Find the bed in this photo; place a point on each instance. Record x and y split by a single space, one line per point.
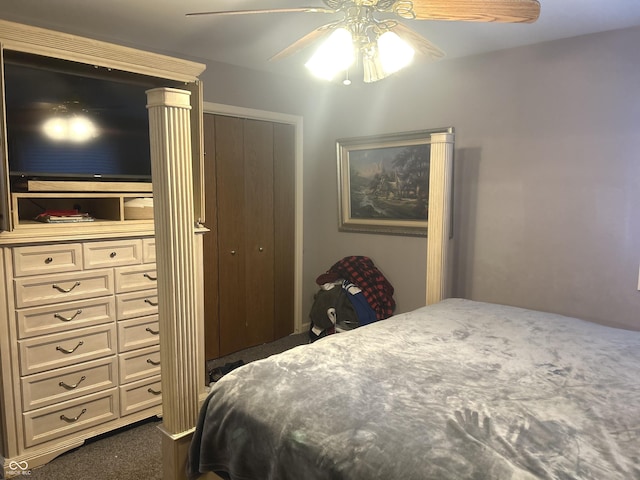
456 390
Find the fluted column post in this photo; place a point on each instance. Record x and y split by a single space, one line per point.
182 367
439 217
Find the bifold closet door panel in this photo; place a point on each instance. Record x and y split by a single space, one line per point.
232 252
259 227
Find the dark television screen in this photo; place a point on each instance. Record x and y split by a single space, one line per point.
110 143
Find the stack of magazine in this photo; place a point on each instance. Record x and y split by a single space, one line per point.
63 216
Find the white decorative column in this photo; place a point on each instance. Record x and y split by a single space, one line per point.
439 217
176 256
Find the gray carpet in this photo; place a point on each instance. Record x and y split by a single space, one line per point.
134 452
127 453
261 351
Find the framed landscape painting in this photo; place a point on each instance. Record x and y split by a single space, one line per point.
383 182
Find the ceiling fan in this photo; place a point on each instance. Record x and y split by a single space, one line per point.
366 22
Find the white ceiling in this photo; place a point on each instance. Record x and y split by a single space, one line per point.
250 40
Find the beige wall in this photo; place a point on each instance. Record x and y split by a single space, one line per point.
547 170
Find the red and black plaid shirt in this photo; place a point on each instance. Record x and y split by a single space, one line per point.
361 271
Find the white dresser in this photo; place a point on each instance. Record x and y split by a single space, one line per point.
79 335
83 341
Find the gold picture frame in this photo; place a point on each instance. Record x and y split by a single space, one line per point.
383 182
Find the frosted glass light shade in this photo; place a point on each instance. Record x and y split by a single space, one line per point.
394 52
334 55
373 69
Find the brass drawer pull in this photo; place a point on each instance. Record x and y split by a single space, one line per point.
74 419
65 290
150 302
48 260
71 387
153 362
154 392
151 331
153 279
63 350
65 319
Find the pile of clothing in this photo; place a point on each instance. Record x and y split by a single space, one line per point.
353 292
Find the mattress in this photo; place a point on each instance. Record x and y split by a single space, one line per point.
456 390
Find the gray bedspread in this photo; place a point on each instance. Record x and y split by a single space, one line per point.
456 390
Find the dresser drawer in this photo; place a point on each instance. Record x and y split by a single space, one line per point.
72 417
139 277
65 316
149 250
140 395
61 349
113 253
62 287
138 333
43 259
136 304
61 384
139 364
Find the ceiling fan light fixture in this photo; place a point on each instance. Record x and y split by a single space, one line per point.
386 45
394 53
372 68
334 55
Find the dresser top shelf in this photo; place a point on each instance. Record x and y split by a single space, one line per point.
69 186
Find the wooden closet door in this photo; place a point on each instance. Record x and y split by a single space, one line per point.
259 228
232 252
250 249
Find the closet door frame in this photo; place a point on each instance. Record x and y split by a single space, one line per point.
296 122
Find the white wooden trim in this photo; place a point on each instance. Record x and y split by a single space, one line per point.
439 224
182 360
296 121
179 286
40 41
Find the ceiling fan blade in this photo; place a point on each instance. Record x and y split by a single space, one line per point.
417 41
271 10
514 11
303 42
